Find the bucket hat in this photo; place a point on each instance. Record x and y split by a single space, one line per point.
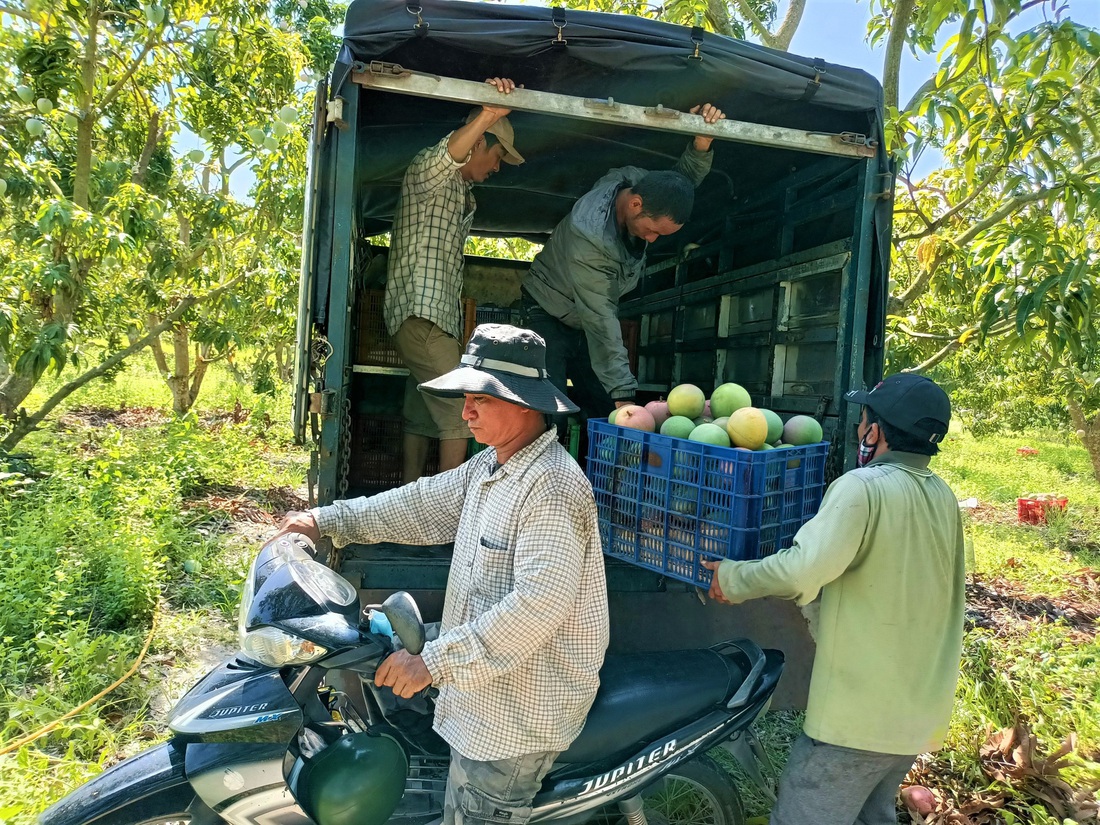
502 131
505 362
912 403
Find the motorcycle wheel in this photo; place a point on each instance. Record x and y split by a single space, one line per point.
697 792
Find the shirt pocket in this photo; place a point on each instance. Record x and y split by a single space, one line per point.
493 571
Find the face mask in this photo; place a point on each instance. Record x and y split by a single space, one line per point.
866 453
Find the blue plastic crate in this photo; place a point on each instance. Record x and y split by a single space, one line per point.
668 504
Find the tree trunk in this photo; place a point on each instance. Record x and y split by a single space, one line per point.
895 44
14 389
86 100
26 424
152 138
787 28
284 364
1088 430
201 364
718 14
178 380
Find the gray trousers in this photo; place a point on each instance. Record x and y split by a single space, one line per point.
494 793
827 784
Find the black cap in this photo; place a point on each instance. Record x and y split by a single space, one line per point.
912 403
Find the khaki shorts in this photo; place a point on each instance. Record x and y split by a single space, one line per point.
428 352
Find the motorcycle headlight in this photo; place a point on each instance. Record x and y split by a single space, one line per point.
276 648
322 583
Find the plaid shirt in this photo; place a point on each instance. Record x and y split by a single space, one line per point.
525 618
433 218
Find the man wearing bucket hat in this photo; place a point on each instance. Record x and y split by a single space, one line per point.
422 308
525 620
885 552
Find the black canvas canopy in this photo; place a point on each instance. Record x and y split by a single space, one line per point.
632 59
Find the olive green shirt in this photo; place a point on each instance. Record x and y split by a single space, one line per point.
885 551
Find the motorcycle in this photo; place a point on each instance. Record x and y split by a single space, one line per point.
293 731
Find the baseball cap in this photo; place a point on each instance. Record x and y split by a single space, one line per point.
912 403
503 132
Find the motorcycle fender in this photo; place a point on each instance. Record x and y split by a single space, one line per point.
244 783
136 790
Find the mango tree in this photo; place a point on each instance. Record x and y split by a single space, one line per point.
998 248
106 235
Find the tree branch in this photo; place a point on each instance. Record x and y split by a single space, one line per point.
233 167
154 345
895 43
29 423
201 365
17 13
928 336
747 11
112 92
1012 206
934 226
787 28
942 354
956 343
916 206
920 285
152 138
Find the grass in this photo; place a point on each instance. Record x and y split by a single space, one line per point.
122 514
1040 557
99 530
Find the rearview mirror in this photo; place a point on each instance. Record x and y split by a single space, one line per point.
400 608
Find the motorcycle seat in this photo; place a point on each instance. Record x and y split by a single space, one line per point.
643 696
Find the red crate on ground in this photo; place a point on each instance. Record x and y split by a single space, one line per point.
1033 509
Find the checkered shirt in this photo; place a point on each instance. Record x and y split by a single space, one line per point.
525 618
433 218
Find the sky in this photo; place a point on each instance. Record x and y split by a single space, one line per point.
836 31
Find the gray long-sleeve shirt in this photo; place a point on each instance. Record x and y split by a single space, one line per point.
587 265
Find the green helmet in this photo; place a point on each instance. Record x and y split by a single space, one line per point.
357 780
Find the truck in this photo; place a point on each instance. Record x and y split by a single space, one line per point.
778 282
